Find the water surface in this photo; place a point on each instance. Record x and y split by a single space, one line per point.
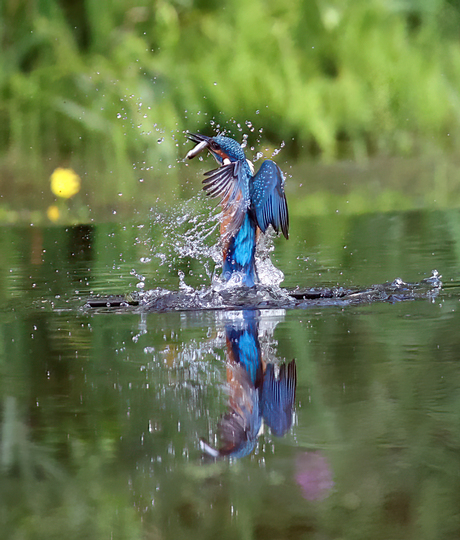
102 412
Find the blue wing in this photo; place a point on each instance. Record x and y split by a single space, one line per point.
268 199
227 183
278 395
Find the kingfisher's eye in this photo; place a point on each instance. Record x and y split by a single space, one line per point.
214 146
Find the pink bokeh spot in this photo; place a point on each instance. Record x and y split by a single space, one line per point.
314 476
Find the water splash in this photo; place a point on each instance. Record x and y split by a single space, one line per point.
186 239
268 274
220 296
187 232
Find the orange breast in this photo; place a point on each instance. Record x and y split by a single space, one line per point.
227 218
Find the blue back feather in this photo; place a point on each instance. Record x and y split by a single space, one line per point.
240 253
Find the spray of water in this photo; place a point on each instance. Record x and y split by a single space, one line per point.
189 232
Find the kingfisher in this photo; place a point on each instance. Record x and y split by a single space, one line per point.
250 202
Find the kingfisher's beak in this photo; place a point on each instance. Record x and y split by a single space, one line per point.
202 142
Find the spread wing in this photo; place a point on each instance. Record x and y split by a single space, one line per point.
268 199
227 183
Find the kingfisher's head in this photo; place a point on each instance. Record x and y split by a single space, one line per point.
224 149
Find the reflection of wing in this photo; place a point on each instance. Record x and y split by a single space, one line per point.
278 396
268 198
226 183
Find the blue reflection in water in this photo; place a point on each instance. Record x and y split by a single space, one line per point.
257 390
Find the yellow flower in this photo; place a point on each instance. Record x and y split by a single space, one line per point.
53 213
65 183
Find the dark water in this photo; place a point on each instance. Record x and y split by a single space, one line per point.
102 412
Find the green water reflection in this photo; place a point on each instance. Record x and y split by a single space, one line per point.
101 414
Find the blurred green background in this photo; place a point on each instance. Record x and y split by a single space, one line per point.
108 88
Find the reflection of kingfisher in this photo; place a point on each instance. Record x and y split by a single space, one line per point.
250 203
254 390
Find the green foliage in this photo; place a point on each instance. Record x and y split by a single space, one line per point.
355 77
108 88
